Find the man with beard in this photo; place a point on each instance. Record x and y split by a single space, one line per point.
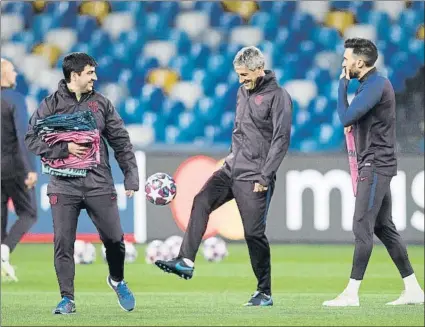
372 115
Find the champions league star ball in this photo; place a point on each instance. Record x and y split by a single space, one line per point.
130 252
160 189
214 249
157 250
84 252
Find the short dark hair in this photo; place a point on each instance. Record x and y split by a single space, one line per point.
76 62
363 47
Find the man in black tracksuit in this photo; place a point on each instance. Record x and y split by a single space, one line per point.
260 141
18 173
372 115
95 192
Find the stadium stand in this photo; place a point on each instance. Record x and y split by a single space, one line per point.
168 65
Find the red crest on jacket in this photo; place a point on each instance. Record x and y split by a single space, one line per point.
93 106
258 100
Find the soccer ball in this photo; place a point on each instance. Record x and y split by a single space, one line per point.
214 249
157 250
160 189
174 243
130 252
84 252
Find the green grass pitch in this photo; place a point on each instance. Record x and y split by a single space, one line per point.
303 276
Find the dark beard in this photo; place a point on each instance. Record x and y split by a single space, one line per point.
353 75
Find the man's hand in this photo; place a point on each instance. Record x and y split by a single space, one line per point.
31 180
77 150
348 129
260 188
344 73
129 193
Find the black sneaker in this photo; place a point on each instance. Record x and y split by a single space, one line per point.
259 299
176 266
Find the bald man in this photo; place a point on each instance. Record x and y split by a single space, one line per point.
18 176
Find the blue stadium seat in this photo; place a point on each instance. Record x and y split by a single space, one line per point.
381 20
219 66
131 111
190 126
21 7
42 23
133 39
340 5
155 120
229 20
212 134
154 26
64 12
37 92
169 10
183 65
100 43
207 81
416 48
124 53
199 54
85 25
172 135
320 76
267 22
398 36
181 40
214 10
135 7
327 37
328 137
284 10
302 25
108 69
361 8
171 109
388 49
321 109
206 110
25 37
153 97
410 19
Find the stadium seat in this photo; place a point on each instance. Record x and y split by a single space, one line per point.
397 35
13 51
85 26
327 37
229 20
32 103
162 50
183 66
213 38
302 25
164 78
181 40
26 37
420 33
340 5
246 35
284 10
245 9
213 9
133 39
100 43
319 76
379 19
190 126
339 20
153 97
410 19
37 92
392 8
206 110
186 92
317 9
219 66
32 65
193 23
131 111
153 26
267 22
141 135
116 23
97 9
124 54
114 92
108 69
199 54
65 12
366 31
11 24
48 79
63 38
23 8
154 120
205 80
321 109
303 91
171 109
416 48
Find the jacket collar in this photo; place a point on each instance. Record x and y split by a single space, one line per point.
265 83
367 75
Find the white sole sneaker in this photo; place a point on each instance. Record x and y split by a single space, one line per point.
342 300
8 270
413 298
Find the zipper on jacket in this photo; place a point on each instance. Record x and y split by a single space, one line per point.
243 138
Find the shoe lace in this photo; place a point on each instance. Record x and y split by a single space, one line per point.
123 290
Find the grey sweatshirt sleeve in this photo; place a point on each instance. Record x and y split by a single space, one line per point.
119 140
282 121
36 145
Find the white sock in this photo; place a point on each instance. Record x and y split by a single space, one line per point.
5 252
411 283
114 282
353 287
189 262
